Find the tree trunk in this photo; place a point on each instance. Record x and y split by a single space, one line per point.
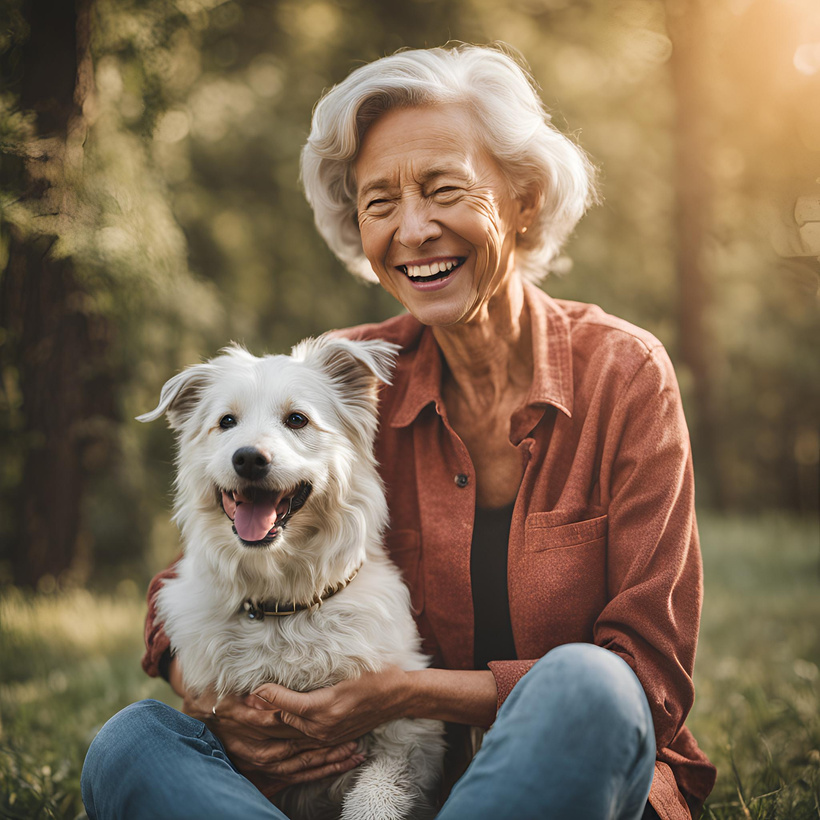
55 342
693 188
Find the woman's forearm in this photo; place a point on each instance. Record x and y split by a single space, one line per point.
458 696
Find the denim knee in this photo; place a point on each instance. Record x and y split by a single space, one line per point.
137 723
127 738
574 739
592 682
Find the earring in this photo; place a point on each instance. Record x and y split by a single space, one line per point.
523 230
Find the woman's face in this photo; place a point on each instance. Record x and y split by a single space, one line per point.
437 220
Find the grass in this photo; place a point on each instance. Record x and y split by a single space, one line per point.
71 659
757 713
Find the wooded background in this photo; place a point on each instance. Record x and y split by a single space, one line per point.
150 211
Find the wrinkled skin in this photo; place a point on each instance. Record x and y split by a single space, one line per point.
429 190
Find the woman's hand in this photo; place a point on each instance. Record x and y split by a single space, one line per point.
350 709
269 753
337 714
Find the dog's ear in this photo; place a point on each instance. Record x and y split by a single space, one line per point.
357 367
180 395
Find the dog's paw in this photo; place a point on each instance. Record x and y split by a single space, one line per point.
383 791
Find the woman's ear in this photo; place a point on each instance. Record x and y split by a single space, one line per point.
529 204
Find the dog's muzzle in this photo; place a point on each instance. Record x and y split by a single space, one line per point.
260 515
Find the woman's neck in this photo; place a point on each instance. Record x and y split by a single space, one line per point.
490 354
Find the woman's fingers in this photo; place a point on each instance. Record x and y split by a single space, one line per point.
338 713
327 770
279 755
264 752
277 764
262 723
272 784
316 759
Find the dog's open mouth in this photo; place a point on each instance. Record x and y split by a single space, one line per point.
260 515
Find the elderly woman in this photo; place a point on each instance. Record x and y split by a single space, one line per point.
538 474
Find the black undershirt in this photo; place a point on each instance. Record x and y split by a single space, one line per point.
488 575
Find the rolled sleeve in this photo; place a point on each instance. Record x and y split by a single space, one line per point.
157 643
507 674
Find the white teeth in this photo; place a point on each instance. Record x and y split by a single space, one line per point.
435 267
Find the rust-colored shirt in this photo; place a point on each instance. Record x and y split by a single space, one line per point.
603 545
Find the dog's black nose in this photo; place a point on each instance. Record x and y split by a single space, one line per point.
251 463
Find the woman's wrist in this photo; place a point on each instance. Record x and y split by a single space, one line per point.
453 695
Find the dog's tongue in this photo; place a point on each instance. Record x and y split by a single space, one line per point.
255 519
255 514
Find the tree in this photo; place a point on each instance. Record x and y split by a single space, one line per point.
689 62
54 341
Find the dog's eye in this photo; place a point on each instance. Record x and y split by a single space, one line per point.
226 422
296 420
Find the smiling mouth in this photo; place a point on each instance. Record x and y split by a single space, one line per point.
433 271
260 515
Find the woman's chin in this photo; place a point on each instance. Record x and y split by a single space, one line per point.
440 303
458 304
441 311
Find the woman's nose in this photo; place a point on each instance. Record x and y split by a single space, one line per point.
416 224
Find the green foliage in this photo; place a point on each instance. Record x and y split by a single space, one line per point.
191 230
222 92
70 660
757 712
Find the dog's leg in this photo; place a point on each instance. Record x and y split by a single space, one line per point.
384 790
399 781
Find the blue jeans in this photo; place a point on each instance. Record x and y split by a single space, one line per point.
573 740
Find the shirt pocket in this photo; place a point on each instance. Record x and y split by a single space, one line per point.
565 568
404 549
546 531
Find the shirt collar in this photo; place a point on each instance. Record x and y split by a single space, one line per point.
552 363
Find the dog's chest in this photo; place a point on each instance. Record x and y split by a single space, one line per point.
307 650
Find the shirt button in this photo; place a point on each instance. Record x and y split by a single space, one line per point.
461 480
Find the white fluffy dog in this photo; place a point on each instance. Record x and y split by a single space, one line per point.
281 508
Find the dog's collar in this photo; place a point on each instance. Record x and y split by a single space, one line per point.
257 610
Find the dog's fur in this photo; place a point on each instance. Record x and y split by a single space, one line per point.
365 626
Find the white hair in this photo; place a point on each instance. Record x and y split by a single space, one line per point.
514 125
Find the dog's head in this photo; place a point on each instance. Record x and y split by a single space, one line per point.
263 441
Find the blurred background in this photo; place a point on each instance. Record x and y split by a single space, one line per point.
150 211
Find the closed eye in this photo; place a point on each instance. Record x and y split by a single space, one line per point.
446 193
378 205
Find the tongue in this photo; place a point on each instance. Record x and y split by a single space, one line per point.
255 519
